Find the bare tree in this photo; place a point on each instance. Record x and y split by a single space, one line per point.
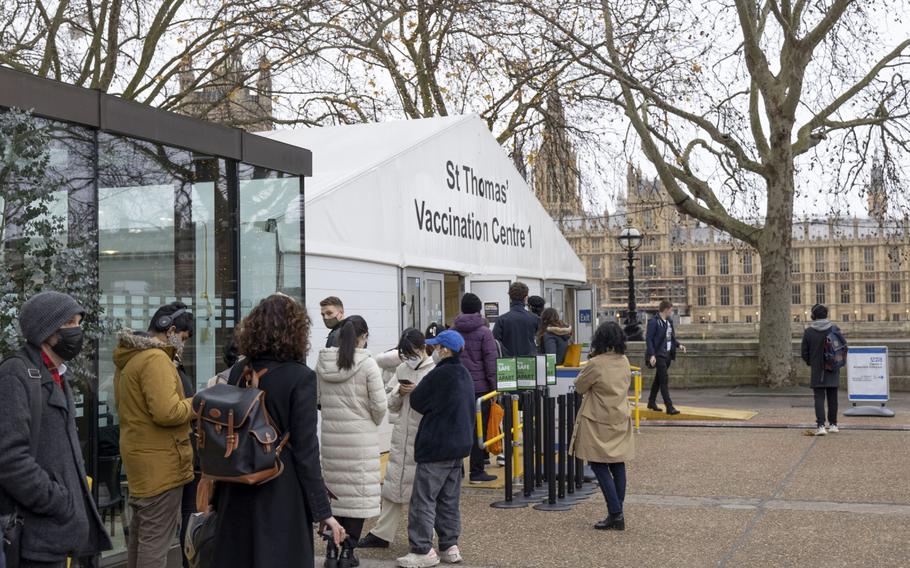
745 104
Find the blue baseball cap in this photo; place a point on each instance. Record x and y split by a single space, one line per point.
449 339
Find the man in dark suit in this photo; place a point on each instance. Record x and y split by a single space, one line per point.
660 352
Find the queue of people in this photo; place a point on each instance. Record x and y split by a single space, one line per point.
432 380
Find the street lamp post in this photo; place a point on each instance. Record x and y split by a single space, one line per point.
630 239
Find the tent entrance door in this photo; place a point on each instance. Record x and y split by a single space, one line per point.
424 301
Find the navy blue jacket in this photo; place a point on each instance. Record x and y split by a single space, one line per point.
656 339
516 330
445 397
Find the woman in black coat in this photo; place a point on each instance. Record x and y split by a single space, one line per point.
271 525
553 335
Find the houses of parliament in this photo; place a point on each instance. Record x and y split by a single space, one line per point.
859 268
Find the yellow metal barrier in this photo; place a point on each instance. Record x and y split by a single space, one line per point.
636 398
516 430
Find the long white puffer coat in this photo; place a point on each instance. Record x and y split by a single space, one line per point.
353 403
399 476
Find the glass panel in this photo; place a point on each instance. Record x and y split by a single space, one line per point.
412 303
164 235
559 301
270 237
434 302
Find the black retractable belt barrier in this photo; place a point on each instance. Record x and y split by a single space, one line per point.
572 495
527 437
539 433
550 458
561 461
508 446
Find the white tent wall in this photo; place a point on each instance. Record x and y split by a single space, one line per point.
399 200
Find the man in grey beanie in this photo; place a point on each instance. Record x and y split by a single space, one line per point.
43 484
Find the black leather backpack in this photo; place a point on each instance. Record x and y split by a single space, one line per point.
236 440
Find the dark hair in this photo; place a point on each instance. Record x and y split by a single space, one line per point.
331 301
433 330
608 337
183 322
548 318
819 312
278 327
536 303
352 328
411 343
230 355
518 291
664 304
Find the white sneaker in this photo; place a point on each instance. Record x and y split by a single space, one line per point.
451 556
832 429
414 560
820 432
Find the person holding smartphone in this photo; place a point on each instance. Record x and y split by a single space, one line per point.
399 477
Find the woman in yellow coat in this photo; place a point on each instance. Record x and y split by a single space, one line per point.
603 426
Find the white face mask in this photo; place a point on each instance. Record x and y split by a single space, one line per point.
413 362
437 356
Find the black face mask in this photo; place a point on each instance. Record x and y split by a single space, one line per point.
69 344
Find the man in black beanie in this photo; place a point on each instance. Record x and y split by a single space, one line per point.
42 476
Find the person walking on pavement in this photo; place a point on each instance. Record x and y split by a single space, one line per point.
353 402
414 364
332 311
824 382
553 335
660 352
603 425
43 484
155 412
479 358
270 525
445 397
516 329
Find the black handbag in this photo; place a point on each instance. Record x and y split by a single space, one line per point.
12 539
199 546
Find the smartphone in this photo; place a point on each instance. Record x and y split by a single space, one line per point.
405 382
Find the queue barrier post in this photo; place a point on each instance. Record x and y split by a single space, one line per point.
508 449
550 458
570 429
580 488
561 460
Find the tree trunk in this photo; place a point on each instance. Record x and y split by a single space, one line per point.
775 356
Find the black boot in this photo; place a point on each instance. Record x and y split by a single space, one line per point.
347 559
331 554
373 541
652 405
612 523
671 410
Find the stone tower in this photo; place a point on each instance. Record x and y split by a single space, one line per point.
556 167
876 193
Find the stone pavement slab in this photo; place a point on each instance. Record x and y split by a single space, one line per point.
724 497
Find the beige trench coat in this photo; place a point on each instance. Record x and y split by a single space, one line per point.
603 425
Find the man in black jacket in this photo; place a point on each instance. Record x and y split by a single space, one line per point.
445 397
824 382
516 329
660 351
42 476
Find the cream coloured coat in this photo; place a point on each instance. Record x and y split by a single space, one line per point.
603 426
399 476
353 403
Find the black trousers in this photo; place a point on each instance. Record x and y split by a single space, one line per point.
820 395
661 381
187 508
478 455
352 526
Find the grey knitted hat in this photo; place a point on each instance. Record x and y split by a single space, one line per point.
45 313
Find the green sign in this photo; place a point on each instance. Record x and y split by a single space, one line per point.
551 369
506 377
526 372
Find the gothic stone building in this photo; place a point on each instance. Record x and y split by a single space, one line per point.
860 268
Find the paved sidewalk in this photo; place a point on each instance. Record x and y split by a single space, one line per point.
725 497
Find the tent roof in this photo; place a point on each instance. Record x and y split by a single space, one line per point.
370 181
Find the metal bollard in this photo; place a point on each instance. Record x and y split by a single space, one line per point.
508 450
581 488
528 450
539 432
570 429
550 458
